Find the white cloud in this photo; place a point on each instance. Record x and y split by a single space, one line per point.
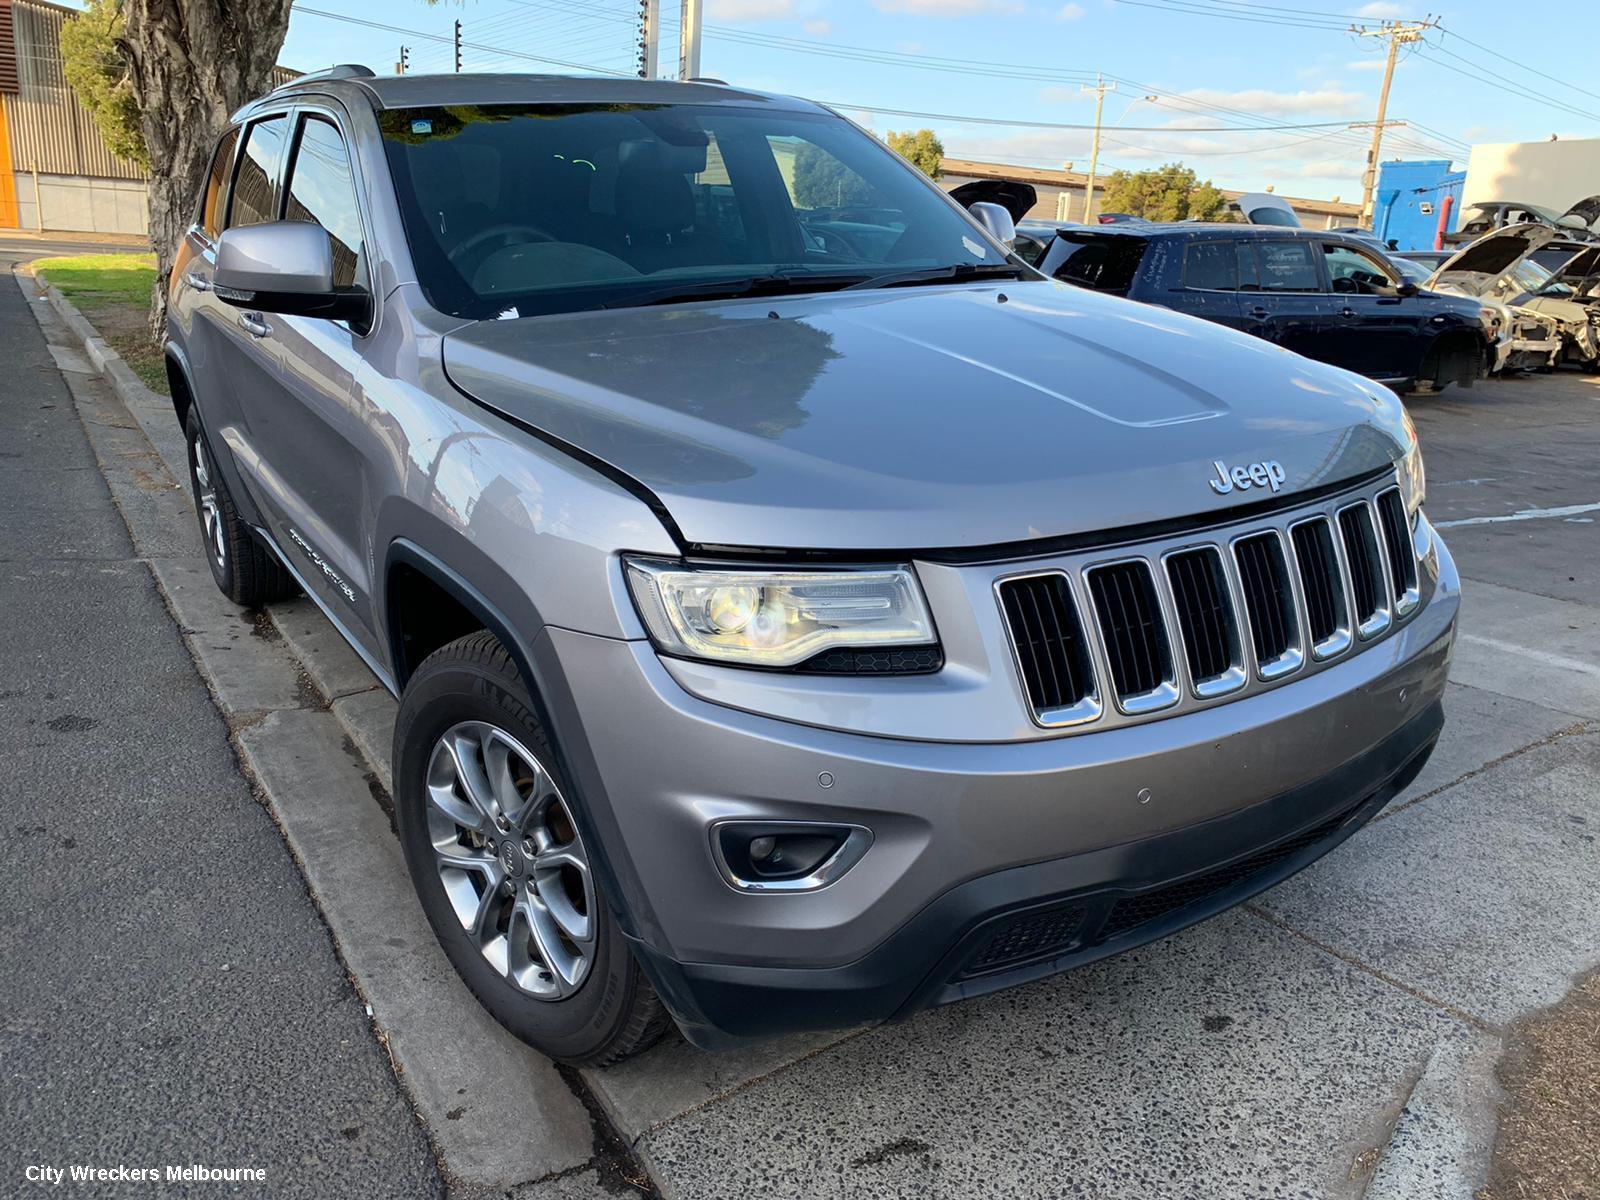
949 8
1330 101
750 10
1365 64
910 47
818 28
1070 12
1380 9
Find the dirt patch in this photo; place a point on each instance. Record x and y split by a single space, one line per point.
1548 1145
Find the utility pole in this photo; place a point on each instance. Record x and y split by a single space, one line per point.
458 47
689 41
1397 33
1100 88
649 39
404 63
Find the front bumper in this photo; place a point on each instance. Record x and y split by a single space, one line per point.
1096 841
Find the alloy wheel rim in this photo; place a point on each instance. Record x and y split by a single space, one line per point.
510 859
210 509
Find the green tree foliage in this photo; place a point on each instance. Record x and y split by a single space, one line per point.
922 149
97 72
822 181
1169 193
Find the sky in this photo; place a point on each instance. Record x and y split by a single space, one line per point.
1199 81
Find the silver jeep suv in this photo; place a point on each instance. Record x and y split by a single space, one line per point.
802 613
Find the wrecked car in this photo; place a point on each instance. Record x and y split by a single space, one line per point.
1487 216
1545 321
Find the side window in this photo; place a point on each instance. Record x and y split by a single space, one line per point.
1354 272
1249 273
1289 267
258 168
322 190
1211 265
217 184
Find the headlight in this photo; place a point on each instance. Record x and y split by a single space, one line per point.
1491 322
1413 479
775 618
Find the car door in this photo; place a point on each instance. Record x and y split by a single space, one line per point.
1209 285
1376 331
246 370
310 434
1288 304
201 322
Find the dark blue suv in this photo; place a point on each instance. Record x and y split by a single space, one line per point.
1324 295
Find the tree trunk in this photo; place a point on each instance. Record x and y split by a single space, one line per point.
193 63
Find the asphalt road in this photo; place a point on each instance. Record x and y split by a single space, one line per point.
171 995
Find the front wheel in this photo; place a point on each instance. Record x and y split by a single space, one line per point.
503 873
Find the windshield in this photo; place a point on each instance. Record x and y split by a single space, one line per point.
1529 276
520 210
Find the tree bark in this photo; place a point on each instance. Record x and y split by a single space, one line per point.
193 63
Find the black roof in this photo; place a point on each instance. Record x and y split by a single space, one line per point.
429 91
1221 229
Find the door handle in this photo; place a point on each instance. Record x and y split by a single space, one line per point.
197 281
252 324
1347 313
1259 313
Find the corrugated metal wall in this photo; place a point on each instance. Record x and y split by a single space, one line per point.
50 131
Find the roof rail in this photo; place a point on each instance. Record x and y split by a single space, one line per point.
342 71
706 79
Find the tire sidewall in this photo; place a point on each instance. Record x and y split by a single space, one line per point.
223 574
443 694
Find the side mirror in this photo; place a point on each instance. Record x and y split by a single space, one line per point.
284 267
996 220
1405 289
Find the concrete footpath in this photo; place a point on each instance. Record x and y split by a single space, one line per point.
172 996
1335 1038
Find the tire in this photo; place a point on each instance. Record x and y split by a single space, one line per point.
528 930
245 571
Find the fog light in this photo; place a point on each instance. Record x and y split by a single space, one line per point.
788 856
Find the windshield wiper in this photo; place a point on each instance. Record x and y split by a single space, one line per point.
777 283
958 272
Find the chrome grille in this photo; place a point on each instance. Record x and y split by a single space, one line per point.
1134 635
1322 585
1398 550
1177 624
1206 624
1051 651
1269 603
1365 560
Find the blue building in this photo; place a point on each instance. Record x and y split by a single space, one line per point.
1411 197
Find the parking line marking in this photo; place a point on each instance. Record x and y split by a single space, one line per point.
1541 656
1527 514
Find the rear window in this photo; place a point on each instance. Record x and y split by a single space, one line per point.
1289 267
1104 264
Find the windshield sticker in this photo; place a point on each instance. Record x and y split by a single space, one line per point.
973 248
422 127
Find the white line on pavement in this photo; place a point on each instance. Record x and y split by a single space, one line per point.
1541 656
1527 514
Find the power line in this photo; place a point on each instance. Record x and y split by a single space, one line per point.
1532 70
450 41
1491 77
1195 10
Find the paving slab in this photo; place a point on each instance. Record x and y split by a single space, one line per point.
1233 1060
1481 728
1530 647
499 1114
1482 897
334 667
1449 1118
368 719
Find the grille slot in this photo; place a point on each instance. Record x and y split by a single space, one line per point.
1366 569
1269 603
1402 558
1327 615
1205 620
1037 934
1134 635
1052 652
